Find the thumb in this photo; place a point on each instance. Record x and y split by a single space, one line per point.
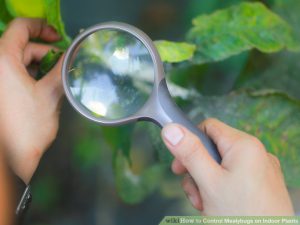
188 149
51 84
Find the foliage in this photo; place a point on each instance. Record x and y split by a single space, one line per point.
262 97
47 9
5 16
133 188
27 8
49 60
173 52
242 27
53 16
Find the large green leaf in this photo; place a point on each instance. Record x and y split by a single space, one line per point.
53 16
271 116
279 71
131 187
26 8
239 28
174 52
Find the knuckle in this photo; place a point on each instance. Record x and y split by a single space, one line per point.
209 124
253 149
5 57
255 143
16 22
210 121
275 159
21 24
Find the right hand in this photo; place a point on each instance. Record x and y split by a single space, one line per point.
249 180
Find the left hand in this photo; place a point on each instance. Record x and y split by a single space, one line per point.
29 109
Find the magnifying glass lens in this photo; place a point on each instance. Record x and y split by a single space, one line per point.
111 74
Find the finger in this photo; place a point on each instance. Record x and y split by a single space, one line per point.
221 134
187 148
178 168
191 190
51 84
20 30
34 52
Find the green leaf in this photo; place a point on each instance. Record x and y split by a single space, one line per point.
133 188
2 27
48 9
48 61
271 116
279 71
53 17
239 28
26 8
5 16
119 138
174 52
289 11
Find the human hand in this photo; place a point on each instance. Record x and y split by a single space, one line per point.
29 108
249 180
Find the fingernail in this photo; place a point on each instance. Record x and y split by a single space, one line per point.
173 134
193 200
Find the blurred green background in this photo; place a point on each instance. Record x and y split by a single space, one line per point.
75 183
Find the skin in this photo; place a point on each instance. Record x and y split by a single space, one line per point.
29 108
249 180
6 211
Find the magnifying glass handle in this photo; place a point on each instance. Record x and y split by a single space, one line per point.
173 114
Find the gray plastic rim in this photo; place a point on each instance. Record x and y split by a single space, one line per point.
158 74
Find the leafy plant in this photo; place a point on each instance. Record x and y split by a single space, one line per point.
262 98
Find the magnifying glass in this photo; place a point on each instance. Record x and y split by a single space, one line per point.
112 74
